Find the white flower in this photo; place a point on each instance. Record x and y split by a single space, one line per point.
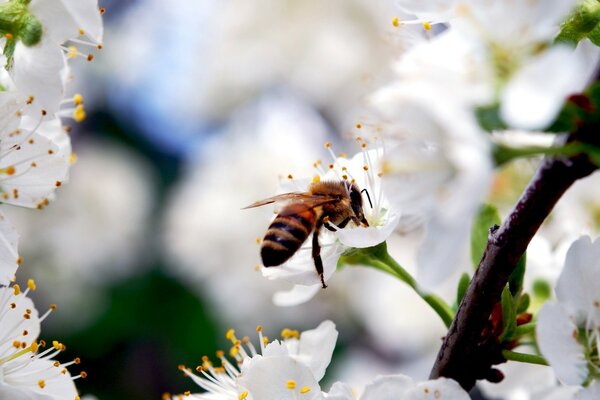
568 330
440 168
287 369
34 156
401 387
364 169
38 64
494 56
27 372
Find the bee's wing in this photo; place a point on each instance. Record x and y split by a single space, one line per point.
301 201
277 199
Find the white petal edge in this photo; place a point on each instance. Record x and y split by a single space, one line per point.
556 337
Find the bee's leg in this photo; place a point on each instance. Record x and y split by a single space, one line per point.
344 223
332 228
316 253
329 226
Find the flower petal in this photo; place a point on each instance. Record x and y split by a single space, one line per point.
39 166
577 286
557 339
37 73
300 269
9 255
441 388
316 348
340 391
388 387
269 377
591 392
297 295
87 16
366 237
531 100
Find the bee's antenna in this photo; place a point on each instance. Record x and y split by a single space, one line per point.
368 197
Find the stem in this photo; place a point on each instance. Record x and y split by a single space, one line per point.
524 358
378 257
524 329
469 350
436 302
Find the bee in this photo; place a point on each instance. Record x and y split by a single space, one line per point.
329 204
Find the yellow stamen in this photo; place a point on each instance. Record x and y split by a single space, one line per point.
78 99
291 384
79 114
304 389
427 26
395 22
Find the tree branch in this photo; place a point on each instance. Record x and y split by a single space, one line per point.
470 349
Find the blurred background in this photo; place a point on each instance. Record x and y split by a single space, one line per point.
197 108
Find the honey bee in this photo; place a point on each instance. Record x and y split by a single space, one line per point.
328 204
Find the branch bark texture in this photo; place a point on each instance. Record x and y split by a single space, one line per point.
469 351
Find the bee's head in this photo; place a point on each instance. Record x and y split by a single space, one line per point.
357 205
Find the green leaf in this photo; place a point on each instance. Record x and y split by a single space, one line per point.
509 315
486 218
515 280
489 117
580 23
463 285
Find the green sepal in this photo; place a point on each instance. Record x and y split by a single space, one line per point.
17 23
31 31
463 285
9 52
523 303
509 314
594 35
515 280
578 110
580 23
486 218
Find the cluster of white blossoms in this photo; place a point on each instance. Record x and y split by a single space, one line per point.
479 54
37 37
292 368
428 160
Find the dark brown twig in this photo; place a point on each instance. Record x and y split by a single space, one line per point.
468 353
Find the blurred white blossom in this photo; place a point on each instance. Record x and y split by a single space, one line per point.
98 231
438 167
328 56
489 55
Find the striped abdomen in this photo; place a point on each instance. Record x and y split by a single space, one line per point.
285 235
